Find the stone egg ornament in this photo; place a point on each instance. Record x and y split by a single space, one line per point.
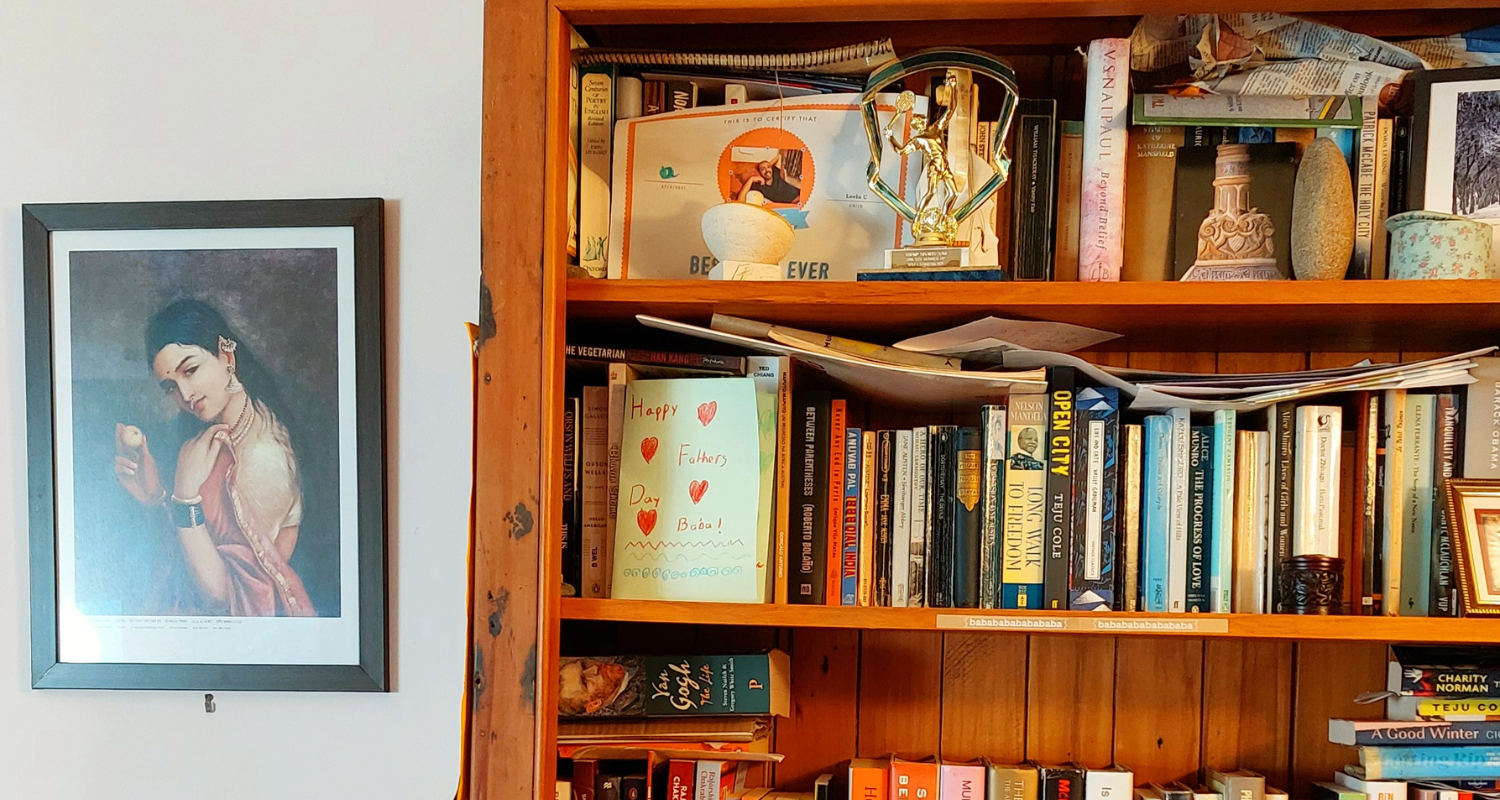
1322 214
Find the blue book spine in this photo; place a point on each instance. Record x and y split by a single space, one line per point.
1156 509
1221 536
849 566
1412 763
1200 515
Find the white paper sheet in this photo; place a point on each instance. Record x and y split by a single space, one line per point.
979 339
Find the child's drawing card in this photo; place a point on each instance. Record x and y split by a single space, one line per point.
690 486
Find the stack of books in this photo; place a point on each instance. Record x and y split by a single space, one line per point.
1441 739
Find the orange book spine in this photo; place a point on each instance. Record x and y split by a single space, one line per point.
913 780
868 780
838 424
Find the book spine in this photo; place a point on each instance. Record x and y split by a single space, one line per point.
1157 511
911 780
1380 246
867 494
1200 515
1361 264
1061 783
1283 457
1128 582
1095 490
1385 733
1221 531
1150 173
1105 144
1393 526
1375 555
1069 200
1417 499
940 547
1366 435
1177 554
1061 388
867 781
961 782
706 781
1032 184
572 546
1481 450
968 483
901 521
1409 763
785 471
681 95
734 365
884 478
812 498
585 776
619 376
838 415
596 120
920 498
1444 589
1025 502
1315 520
849 577
1108 784
1247 594
1400 164
595 460
991 541
1262 540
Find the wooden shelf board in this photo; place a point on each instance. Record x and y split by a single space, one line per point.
1242 626
1340 316
596 12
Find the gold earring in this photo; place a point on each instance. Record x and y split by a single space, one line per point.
227 346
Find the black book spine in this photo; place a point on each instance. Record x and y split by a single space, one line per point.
658 358
809 580
1401 168
940 548
1057 561
1092 585
1033 183
1283 457
1375 555
633 787
572 516
610 788
968 474
1061 783
885 445
1444 591
1200 514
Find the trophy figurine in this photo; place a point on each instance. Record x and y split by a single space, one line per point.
935 219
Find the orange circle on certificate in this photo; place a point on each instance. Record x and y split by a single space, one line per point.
769 161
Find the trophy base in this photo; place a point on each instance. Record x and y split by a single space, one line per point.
1241 271
745 271
937 257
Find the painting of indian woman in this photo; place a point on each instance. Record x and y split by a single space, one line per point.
205 432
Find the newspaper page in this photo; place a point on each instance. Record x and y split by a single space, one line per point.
1478 48
1266 54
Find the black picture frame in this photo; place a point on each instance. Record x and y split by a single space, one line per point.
366 217
1422 82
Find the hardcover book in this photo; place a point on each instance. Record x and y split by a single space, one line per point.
1127 580
1250 544
1237 785
1061 782
1443 762
1362 574
669 686
1384 733
1281 420
596 122
1200 515
960 781
1069 200
1315 502
1102 211
1156 513
1221 530
913 780
901 519
1362 262
1446 672
1150 172
1418 494
991 541
1011 782
643 359
1061 387
594 463
1111 783
885 446
867 495
1095 489
1177 545
1025 502
572 517
866 778
1393 524
1481 451
1443 601
968 481
942 476
921 499
1032 186
810 503
838 424
849 563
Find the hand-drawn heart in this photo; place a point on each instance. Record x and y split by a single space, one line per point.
696 490
646 518
648 448
706 412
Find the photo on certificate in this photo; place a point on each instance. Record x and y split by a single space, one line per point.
205 405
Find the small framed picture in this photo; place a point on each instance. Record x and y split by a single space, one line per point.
205 423
1455 167
1474 525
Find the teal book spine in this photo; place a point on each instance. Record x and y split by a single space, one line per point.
1221 532
1413 763
1156 512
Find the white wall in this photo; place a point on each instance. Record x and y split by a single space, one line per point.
103 100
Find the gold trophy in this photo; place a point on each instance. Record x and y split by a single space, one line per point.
936 217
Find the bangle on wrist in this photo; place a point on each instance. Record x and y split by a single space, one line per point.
186 515
196 499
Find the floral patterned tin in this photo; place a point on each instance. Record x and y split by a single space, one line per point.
1430 245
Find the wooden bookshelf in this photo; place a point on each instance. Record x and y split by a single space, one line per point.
1229 690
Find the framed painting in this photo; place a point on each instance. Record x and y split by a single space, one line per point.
1474 528
1455 161
205 427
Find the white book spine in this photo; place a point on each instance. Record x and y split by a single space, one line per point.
595 487
1222 543
1315 504
901 521
1108 784
1364 196
595 139
1177 551
619 376
1101 245
1380 246
917 539
706 780
1263 522
1093 531
1394 523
